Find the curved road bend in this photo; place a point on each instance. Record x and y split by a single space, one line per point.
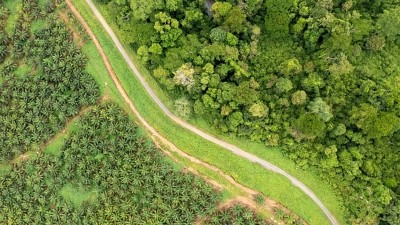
234 149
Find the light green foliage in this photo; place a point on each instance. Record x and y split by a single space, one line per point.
300 25
184 76
362 27
191 17
321 108
230 17
258 110
168 28
313 82
155 49
299 98
235 119
234 20
183 107
143 53
252 6
322 7
77 195
330 160
376 42
291 67
340 129
244 94
340 30
283 85
389 23
342 67
220 10
218 35
173 5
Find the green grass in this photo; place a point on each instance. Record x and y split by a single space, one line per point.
38 25
78 195
4 169
23 70
14 6
245 172
96 67
54 147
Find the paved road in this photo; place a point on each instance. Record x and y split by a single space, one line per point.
234 149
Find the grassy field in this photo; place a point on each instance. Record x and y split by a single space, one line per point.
243 171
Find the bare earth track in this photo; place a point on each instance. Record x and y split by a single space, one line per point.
234 149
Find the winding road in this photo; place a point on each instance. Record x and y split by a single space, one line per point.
234 149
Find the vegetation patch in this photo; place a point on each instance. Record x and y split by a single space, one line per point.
4 169
78 195
23 70
38 25
13 8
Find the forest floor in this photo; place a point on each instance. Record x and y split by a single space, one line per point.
168 147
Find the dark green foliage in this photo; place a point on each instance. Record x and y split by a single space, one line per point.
278 17
319 78
310 125
36 105
118 175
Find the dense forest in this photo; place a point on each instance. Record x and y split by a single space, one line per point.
318 78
